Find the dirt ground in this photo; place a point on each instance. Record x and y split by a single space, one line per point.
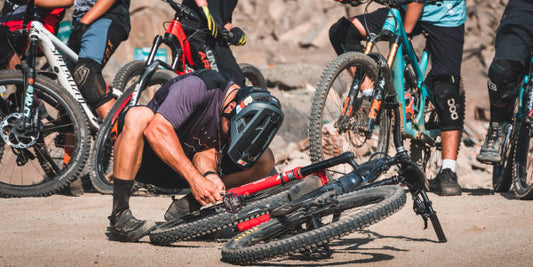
483 229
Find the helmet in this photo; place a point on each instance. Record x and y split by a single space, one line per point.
254 122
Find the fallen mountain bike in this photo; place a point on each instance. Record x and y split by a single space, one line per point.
141 79
350 203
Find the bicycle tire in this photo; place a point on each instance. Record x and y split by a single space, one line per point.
331 99
101 158
248 247
216 218
502 172
60 113
128 74
523 157
253 75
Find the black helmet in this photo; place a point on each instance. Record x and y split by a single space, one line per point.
254 122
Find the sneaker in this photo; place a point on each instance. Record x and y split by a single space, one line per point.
445 184
182 207
127 228
492 147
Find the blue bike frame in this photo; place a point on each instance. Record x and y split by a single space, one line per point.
393 30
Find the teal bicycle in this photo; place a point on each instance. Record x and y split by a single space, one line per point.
345 117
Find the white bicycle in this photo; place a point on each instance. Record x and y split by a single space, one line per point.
45 122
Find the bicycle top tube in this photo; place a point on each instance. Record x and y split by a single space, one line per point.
38 29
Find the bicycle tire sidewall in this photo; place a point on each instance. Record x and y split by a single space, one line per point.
254 75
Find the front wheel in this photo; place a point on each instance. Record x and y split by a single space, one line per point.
523 161
301 231
253 76
40 162
335 125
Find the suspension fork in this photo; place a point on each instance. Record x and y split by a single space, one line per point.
30 75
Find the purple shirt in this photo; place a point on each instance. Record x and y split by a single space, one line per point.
193 111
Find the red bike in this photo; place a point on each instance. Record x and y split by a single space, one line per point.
140 80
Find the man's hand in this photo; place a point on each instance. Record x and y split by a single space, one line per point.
211 24
239 37
205 191
74 41
215 179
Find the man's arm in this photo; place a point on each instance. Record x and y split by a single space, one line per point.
412 13
99 9
162 138
53 3
206 162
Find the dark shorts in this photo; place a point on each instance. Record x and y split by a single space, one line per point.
445 44
156 172
514 36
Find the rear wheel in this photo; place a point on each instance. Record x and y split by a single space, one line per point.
43 161
308 230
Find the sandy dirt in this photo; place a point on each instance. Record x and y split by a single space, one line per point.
483 229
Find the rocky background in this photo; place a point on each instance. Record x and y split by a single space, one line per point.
288 41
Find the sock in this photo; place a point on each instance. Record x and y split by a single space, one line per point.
121 195
448 164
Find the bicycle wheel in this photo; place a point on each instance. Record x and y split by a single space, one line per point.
523 158
253 75
293 232
216 217
427 156
41 162
502 172
329 133
101 159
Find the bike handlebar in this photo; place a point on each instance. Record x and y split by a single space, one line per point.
183 11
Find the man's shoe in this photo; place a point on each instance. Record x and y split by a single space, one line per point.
445 184
126 228
491 150
182 207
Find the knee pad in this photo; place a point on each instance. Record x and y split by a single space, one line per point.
504 78
88 77
449 101
345 37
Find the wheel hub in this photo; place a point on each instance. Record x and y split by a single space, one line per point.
15 133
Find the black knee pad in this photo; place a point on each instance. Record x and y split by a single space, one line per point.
88 77
345 37
449 101
504 78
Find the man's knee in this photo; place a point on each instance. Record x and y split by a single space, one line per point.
345 37
137 119
88 77
504 78
449 100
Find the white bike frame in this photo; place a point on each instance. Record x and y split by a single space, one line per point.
49 45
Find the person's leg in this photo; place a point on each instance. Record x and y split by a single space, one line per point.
446 47
513 45
128 154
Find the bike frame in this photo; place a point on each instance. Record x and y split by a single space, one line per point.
54 50
400 55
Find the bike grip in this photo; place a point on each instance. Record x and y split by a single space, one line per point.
437 227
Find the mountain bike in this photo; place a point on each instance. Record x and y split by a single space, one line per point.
349 203
39 109
514 169
346 117
142 79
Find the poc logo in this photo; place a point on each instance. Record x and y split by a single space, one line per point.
453 109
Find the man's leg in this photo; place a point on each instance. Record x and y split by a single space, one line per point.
128 155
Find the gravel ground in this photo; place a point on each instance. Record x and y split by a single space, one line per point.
483 229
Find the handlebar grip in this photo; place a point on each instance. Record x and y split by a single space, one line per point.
28 15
